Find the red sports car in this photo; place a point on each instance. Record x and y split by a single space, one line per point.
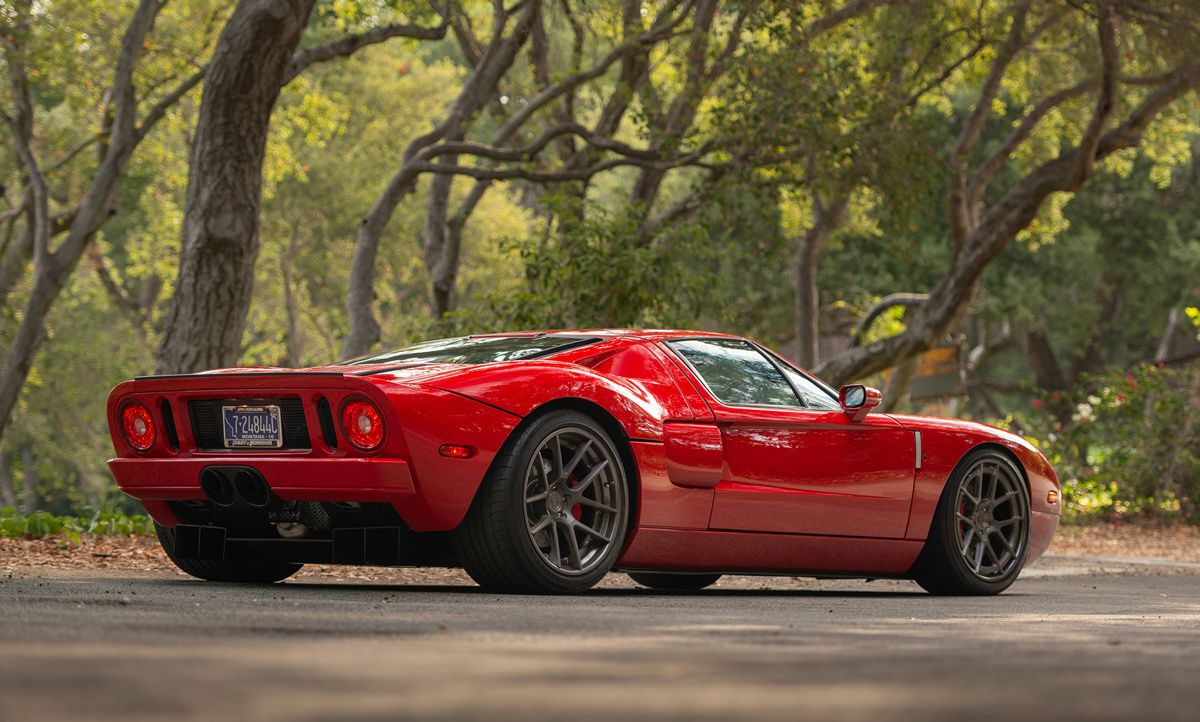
539 462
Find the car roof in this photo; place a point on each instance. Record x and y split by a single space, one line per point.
651 334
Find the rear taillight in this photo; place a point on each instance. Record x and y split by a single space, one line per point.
137 426
362 425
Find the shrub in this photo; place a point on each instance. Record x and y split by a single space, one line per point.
1126 445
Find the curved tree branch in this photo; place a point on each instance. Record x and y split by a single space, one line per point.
353 43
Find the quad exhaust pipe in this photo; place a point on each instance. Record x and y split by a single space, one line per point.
238 487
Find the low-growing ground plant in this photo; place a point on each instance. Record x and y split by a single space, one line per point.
92 521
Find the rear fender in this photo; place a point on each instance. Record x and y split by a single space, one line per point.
521 388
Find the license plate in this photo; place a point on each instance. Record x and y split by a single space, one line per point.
252 427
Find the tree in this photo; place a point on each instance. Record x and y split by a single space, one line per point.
255 57
1129 60
121 131
438 151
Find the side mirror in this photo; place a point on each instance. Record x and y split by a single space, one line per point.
858 400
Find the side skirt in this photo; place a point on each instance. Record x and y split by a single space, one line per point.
750 553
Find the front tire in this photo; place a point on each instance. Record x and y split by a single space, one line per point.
550 517
225 571
980 534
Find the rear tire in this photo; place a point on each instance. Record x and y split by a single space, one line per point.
550 517
979 539
674 582
226 571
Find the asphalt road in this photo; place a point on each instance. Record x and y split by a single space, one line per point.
1098 647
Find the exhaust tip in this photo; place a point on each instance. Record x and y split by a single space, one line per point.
252 488
217 488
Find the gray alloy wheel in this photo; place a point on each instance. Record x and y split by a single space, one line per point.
551 516
225 571
573 503
674 582
980 534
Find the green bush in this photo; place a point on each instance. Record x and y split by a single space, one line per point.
1126 445
103 521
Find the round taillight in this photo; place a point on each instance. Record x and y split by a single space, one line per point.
362 425
137 426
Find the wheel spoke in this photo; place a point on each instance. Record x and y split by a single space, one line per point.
966 487
964 519
591 476
991 553
1009 522
1007 544
573 557
995 479
591 532
537 497
583 500
542 524
1000 500
979 554
564 473
555 556
556 457
967 542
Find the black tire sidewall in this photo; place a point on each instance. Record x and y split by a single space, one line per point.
945 525
521 454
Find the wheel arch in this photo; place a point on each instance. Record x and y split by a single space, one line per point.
1000 449
611 426
939 567
933 491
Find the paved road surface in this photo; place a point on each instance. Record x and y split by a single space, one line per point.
1098 647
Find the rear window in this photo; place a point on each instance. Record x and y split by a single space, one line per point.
475 350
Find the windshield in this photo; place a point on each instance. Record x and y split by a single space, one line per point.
475 350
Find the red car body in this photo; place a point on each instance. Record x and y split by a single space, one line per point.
714 487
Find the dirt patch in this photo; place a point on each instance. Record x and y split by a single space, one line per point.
58 556
1172 541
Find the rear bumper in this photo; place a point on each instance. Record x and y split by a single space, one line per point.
292 479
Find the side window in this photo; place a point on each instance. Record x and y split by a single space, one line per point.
812 393
736 373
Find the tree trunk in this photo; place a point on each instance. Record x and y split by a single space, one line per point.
294 350
15 262
220 227
899 386
826 220
1043 366
443 271
29 495
8 492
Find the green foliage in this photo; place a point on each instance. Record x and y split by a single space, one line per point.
595 274
92 521
1126 444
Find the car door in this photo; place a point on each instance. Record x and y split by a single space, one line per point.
793 460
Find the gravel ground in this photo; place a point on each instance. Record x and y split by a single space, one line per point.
57 556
